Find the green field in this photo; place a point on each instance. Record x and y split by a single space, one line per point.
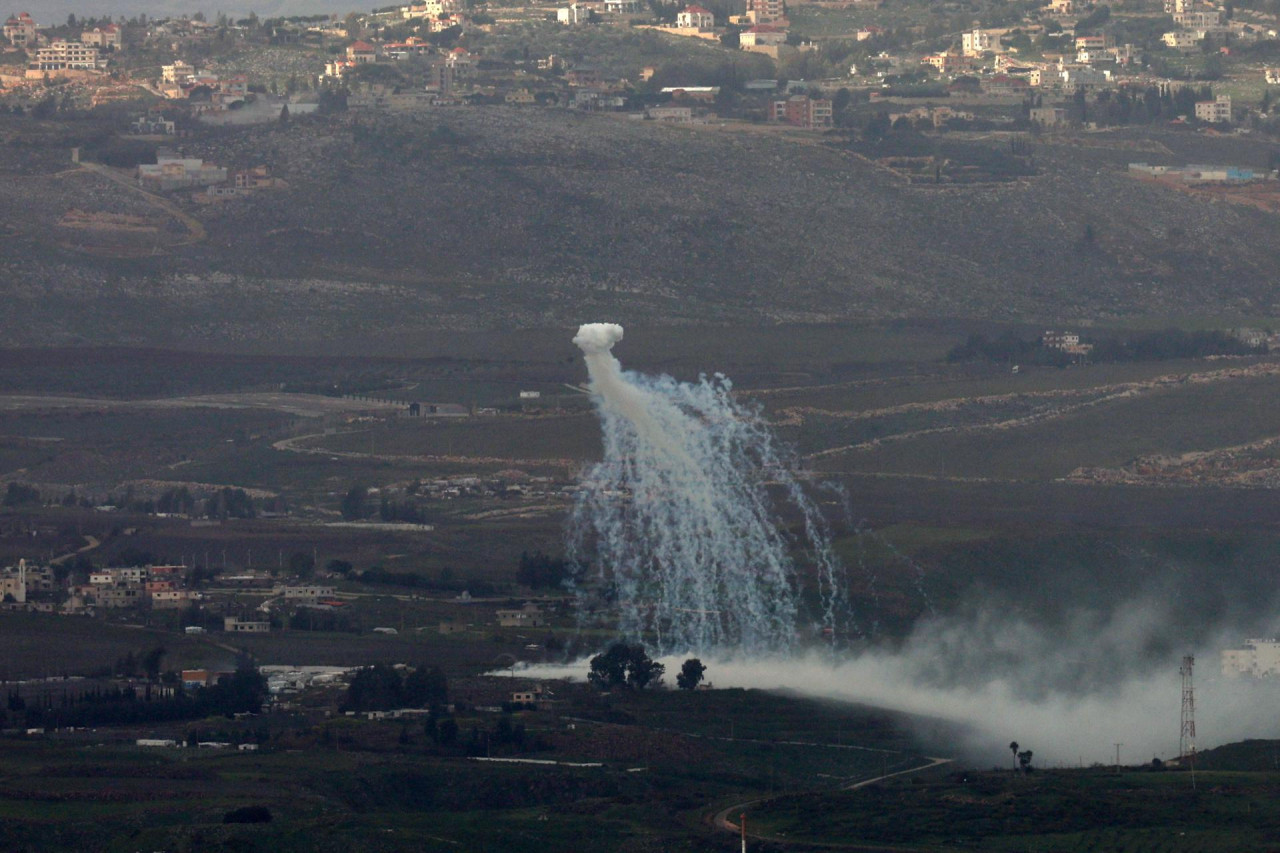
351 784
1060 811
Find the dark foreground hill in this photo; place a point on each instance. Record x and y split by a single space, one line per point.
501 217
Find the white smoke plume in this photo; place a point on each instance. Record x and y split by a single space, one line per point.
988 679
681 534
678 521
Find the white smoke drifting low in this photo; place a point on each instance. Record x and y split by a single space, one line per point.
1069 695
678 526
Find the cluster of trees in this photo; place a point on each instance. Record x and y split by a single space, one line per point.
1171 343
146 664
1021 758
1008 347
226 503
505 735
381 687
405 511
243 691
625 665
1154 346
1136 105
353 503
379 575
21 494
539 571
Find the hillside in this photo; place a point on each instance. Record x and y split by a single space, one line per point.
466 218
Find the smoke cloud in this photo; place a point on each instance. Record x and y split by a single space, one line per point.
989 680
678 520
683 540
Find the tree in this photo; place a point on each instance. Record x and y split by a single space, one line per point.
690 674
151 662
426 686
330 101
353 504
537 570
375 688
340 567
1013 747
448 731
244 691
624 665
284 114
302 564
610 668
19 494
1024 761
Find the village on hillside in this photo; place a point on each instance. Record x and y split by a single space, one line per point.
1056 65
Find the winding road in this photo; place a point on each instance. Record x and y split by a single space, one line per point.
723 818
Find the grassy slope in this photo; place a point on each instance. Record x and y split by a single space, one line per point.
542 218
1053 810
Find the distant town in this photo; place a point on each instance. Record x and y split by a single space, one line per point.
1052 65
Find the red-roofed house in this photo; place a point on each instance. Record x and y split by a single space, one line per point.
459 59
361 53
695 18
762 34
21 30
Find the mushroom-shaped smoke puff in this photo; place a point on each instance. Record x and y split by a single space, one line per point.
597 337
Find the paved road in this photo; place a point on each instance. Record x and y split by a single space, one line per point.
195 230
92 541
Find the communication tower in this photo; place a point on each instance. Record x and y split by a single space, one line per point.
1187 739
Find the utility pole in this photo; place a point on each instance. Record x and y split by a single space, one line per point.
1187 735
742 824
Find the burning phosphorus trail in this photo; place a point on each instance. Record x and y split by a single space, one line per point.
677 524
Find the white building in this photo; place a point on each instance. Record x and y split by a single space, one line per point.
977 42
13 584
1087 78
107 38
1049 117
427 9
1218 110
695 18
529 616
575 13
1258 659
1043 78
1197 20
178 72
676 115
63 55
306 593
173 172
762 35
233 625
1182 39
